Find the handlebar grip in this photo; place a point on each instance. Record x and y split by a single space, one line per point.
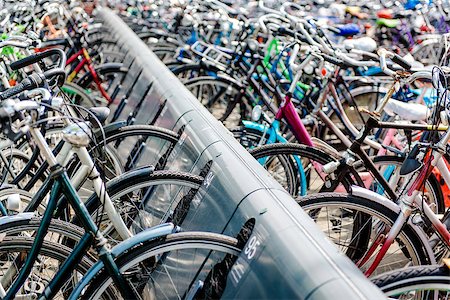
285 31
292 33
25 62
34 58
31 82
401 62
14 90
333 60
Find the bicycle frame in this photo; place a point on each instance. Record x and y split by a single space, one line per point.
86 61
62 185
42 169
86 170
412 198
288 112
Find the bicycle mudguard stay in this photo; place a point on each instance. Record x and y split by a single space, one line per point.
147 235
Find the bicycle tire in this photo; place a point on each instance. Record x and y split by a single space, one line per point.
16 162
133 137
145 198
50 253
87 79
164 251
164 54
221 101
365 213
188 71
19 227
433 281
301 151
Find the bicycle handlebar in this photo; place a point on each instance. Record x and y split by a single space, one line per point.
291 33
17 44
401 62
34 58
33 81
264 18
333 60
383 53
353 62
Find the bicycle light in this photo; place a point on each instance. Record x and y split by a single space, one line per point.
78 134
13 202
256 113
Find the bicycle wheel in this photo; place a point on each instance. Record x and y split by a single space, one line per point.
357 226
14 161
220 97
133 146
282 161
108 76
248 137
13 250
77 94
127 148
145 198
58 232
107 56
165 54
418 282
194 263
429 51
189 71
25 199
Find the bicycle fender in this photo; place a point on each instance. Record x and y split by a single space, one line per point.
148 234
18 217
110 127
111 66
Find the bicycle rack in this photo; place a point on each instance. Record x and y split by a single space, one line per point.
292 258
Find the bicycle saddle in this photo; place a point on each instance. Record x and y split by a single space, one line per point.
101 113
406 111
385 14
348 30
363 43
390 23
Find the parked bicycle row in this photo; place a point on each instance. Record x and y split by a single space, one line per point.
93 206
97 200
369 121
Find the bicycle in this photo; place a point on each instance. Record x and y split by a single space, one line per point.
139 246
